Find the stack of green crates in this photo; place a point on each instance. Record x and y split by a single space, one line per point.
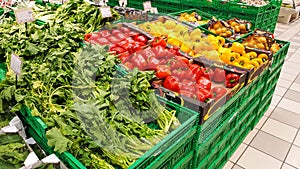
171 152
221 135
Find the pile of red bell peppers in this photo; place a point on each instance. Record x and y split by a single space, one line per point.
176 72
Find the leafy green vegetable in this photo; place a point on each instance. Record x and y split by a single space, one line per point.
13 151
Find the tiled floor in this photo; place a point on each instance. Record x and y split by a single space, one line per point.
275 141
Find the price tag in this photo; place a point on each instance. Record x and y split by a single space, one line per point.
16 64
154 10
147 6
24 15
105 12
123 3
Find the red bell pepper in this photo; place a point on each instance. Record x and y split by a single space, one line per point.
232 80
187 85
120 36
129 65
137 46
132 34
159 41
207 73
182 59
171 83
124 57
128 47
130 40
163 71
124 30
138 61
204 95
219 75
196 70
178 73
114 32
104 33
175 50
159 51
204 83
188 94
152 63
147 53
176 64
102 41
141 38
113 39
117 49
218 92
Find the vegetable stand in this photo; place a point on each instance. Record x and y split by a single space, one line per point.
78 92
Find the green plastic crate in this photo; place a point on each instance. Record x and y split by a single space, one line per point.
206 31
176 152
186 162
183 137
281 54
248 93
2 71
204 16
215 152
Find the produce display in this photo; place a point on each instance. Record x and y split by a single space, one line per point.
231 29
58 88
192 42
236 55
193 18
263 41
71 80
13 151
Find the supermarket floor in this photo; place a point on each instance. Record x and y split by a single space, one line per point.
275 142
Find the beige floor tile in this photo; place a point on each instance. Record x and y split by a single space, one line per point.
250 136
269 111
275 100
280 130
287 76
296 87
290 70
292 95
297 80
294 60
292 65
254 159
261 122
280 91
287 117
237 167
284 83
286 166
237 154
228 165
293 157
297 140
271 145
290 105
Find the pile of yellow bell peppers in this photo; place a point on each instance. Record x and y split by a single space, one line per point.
237 56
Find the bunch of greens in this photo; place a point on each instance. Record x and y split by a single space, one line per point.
99 118
13 151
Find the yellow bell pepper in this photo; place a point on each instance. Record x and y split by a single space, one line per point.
252 55
264 57
221 40
237 47
174 42
254 63
185 48
258 60
242 61
236 63
248 66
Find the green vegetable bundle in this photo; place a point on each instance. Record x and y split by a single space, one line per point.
13 151
102 120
